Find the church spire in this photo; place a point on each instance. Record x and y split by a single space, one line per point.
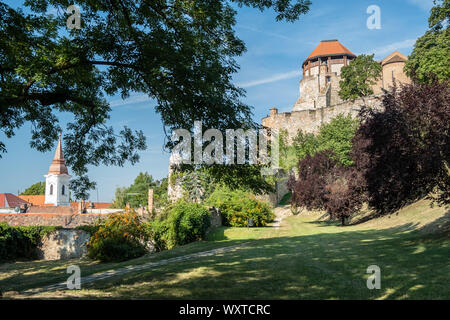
58 165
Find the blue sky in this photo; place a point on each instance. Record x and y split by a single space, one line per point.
270 72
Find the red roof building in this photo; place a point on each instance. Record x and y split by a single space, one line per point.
8 200
327 52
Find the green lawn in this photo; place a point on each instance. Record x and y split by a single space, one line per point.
306 258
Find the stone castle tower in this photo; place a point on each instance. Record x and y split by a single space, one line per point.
321 75
57 180
319 99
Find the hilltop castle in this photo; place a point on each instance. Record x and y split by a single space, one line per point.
319 99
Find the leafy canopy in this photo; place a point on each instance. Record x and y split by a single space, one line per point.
36 189
336 136
359 77
181 53
430 58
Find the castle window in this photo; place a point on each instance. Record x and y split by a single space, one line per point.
328 79
63 190
51 189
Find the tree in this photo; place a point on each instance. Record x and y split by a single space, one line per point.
344 193
179 53
337 136
137 193
36 189
359 77
403 151
430 57
309 189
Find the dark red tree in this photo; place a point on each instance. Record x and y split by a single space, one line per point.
309 189
403 151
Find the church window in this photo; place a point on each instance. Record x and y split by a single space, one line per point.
63 190
51 189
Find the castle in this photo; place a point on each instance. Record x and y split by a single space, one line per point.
319 99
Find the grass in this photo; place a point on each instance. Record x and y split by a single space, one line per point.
307 258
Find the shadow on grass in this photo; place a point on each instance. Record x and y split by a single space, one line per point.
319 266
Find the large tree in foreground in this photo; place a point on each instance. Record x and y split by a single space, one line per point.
178 52
403 151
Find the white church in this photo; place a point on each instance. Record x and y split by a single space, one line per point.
57 180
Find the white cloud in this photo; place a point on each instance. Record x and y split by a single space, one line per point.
405 44
138 98
271 79
423 4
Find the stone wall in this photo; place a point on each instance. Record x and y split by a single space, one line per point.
63 244
309 121
66 221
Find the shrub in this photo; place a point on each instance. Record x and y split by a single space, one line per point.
120 237
187 222
157 230
239 206
21 242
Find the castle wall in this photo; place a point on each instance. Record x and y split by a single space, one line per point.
309 121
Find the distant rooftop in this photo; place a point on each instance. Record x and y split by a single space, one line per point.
329 48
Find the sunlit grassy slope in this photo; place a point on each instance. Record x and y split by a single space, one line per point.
307 258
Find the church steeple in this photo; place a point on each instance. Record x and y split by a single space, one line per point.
57 180
58 165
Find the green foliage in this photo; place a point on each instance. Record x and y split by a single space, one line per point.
336 136
359 77
120 237
237 206
185 222
157 230
286 199
179 53
305 144
36 189
21 242
430 57
137 193
188 222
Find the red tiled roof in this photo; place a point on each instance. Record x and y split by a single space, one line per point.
329 48
8 200
35 200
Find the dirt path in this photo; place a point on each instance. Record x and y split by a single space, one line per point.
281 212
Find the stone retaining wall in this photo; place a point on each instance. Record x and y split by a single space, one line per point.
64 244
65 221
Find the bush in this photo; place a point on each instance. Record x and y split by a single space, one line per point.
118 238
187 222
157 230
239 206
21 242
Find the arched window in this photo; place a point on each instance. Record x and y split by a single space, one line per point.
63 190
51 189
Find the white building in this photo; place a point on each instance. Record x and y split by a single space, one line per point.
57 180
